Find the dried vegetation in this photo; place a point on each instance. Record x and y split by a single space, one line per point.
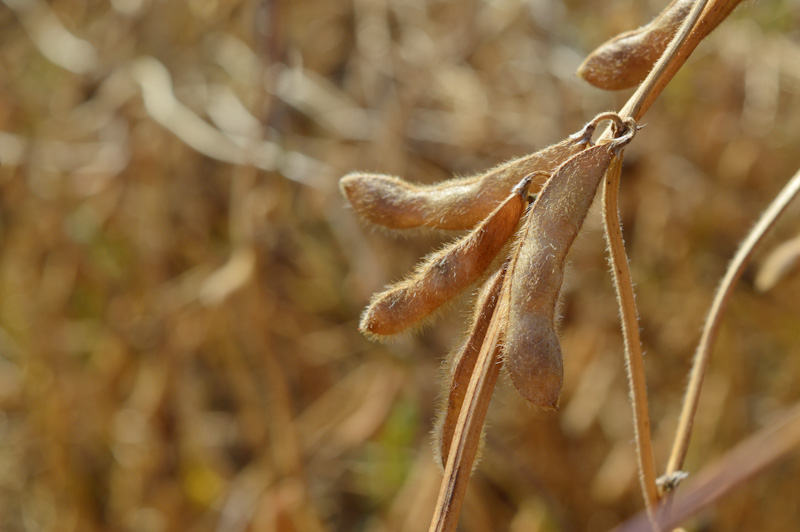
180 282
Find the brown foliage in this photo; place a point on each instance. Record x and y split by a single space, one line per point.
180 281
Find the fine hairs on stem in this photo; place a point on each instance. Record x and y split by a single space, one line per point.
713 322
662 72
514 322
634 361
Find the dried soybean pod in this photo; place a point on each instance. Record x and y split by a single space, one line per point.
462 364
454 204
443 275
625 60
531 348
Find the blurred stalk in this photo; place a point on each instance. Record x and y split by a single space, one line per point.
713 322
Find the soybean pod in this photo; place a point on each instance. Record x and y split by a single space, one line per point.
532 351
625 60
444 274
454 204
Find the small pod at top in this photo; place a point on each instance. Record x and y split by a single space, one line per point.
624 61
532 352
454 204
443 275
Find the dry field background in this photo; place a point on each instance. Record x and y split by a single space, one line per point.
180 279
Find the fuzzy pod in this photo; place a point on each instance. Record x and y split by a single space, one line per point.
461 366
443 275
455 204
532 351
624 61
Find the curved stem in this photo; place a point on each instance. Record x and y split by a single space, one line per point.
664 70
711 329
634 360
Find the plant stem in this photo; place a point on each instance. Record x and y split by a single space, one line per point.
664 70
711 329
753 455
467 435
634 360
678 51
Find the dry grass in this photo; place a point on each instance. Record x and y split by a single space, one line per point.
180 283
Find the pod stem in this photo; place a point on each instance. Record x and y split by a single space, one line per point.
678 51
676 54
634 360
467 434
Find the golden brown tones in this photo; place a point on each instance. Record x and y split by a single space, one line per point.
445 274
179 304
624 61
454 204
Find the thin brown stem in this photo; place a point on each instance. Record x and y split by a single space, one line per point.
664 70
711 330
634 359
648 91
678 51
759 451
467 435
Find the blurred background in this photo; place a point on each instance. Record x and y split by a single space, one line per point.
181 281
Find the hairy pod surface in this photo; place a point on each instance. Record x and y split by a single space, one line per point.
444 274
624 61
531 348
461 366
454 204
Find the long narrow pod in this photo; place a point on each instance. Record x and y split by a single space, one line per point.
531 347
447 273
454 204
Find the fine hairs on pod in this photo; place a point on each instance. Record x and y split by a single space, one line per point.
445 274
455 204
462 364
532 351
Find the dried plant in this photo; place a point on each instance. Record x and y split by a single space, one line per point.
625 60
181 281
454 204
515 317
